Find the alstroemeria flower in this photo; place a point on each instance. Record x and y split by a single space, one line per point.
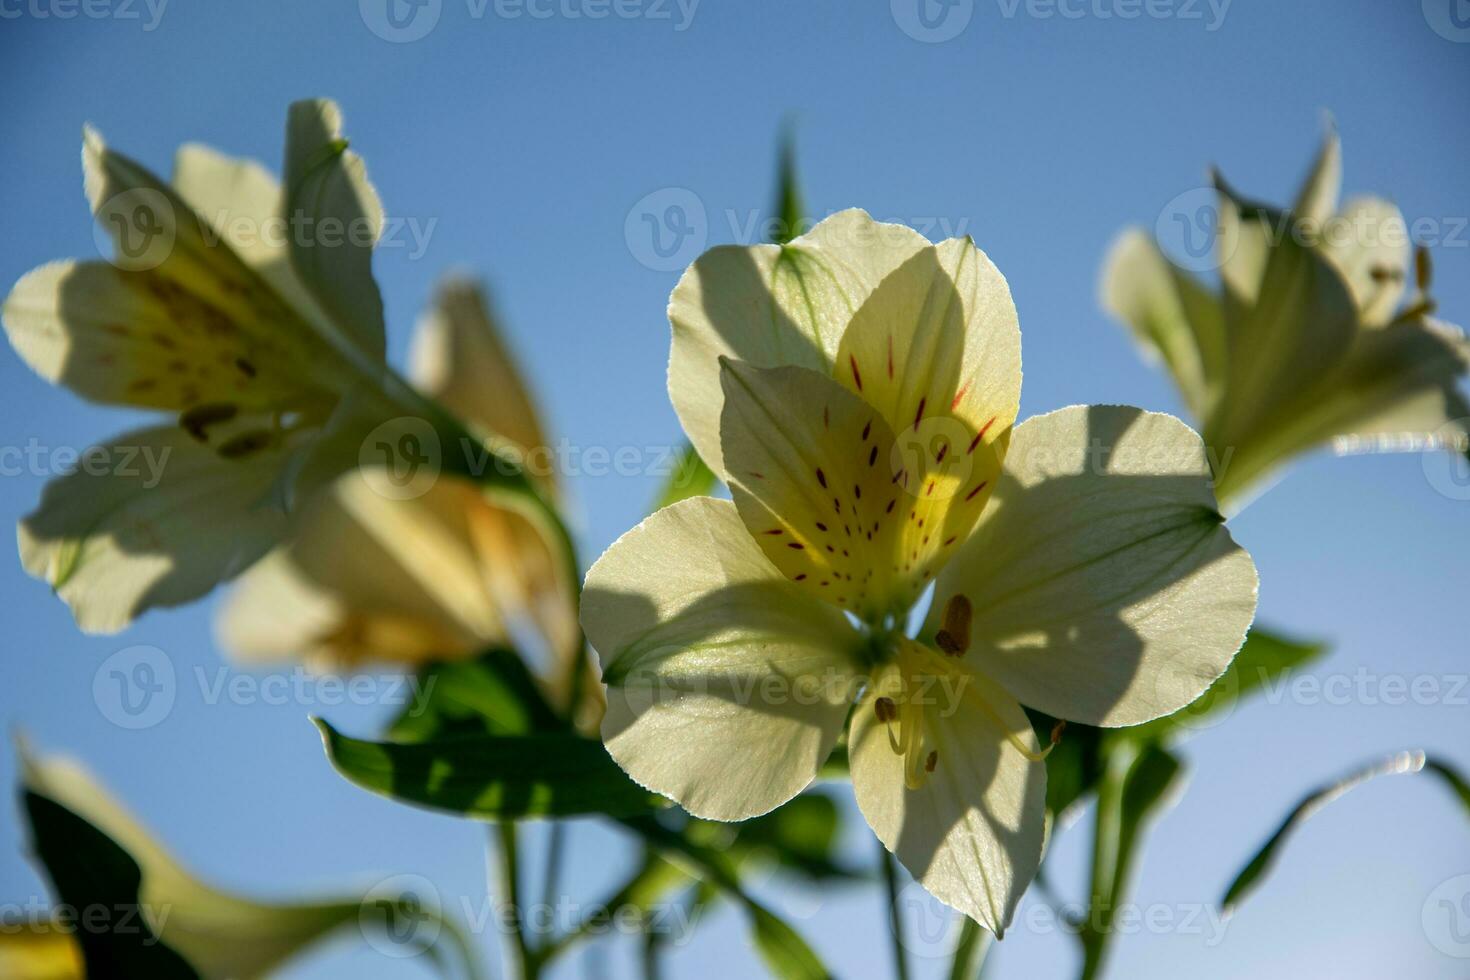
247 312
1306 343
438 576
858 389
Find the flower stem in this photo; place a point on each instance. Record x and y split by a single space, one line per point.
895 920
525 965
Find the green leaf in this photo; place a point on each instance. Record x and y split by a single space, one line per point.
1404 763
691 477
492 777
786 954
93 847
494 694
89 872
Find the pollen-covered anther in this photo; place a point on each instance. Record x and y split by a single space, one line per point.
931 762
1056 731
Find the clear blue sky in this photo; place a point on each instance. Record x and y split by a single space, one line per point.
528 141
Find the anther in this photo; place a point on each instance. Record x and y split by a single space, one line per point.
954 637
885 709
931 762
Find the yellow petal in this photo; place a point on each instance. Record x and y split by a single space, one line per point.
135 338
772 305
844 511
936 348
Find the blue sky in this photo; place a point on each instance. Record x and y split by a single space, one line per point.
523 142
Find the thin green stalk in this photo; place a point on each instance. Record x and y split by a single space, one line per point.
525 964
895 920
970 950
1095 931
551 873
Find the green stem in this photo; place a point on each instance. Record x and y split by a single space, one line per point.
1095 931
552 873
526 965
970 950
895 920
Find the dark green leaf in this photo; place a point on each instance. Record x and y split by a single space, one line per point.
1265 859
91 874
492 777
494 694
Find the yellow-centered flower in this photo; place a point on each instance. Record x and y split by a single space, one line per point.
246 311
858 390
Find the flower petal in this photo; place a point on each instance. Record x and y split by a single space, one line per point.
972 833
842 510
772 305
328 191
1171 314
243 203
938 342
460 359
151 519
727 685
132 338
369 578
1104 586
1369 244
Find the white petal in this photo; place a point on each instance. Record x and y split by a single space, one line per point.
1369 244
328 191
972 833
772 305
727 685
159 521
1105 588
